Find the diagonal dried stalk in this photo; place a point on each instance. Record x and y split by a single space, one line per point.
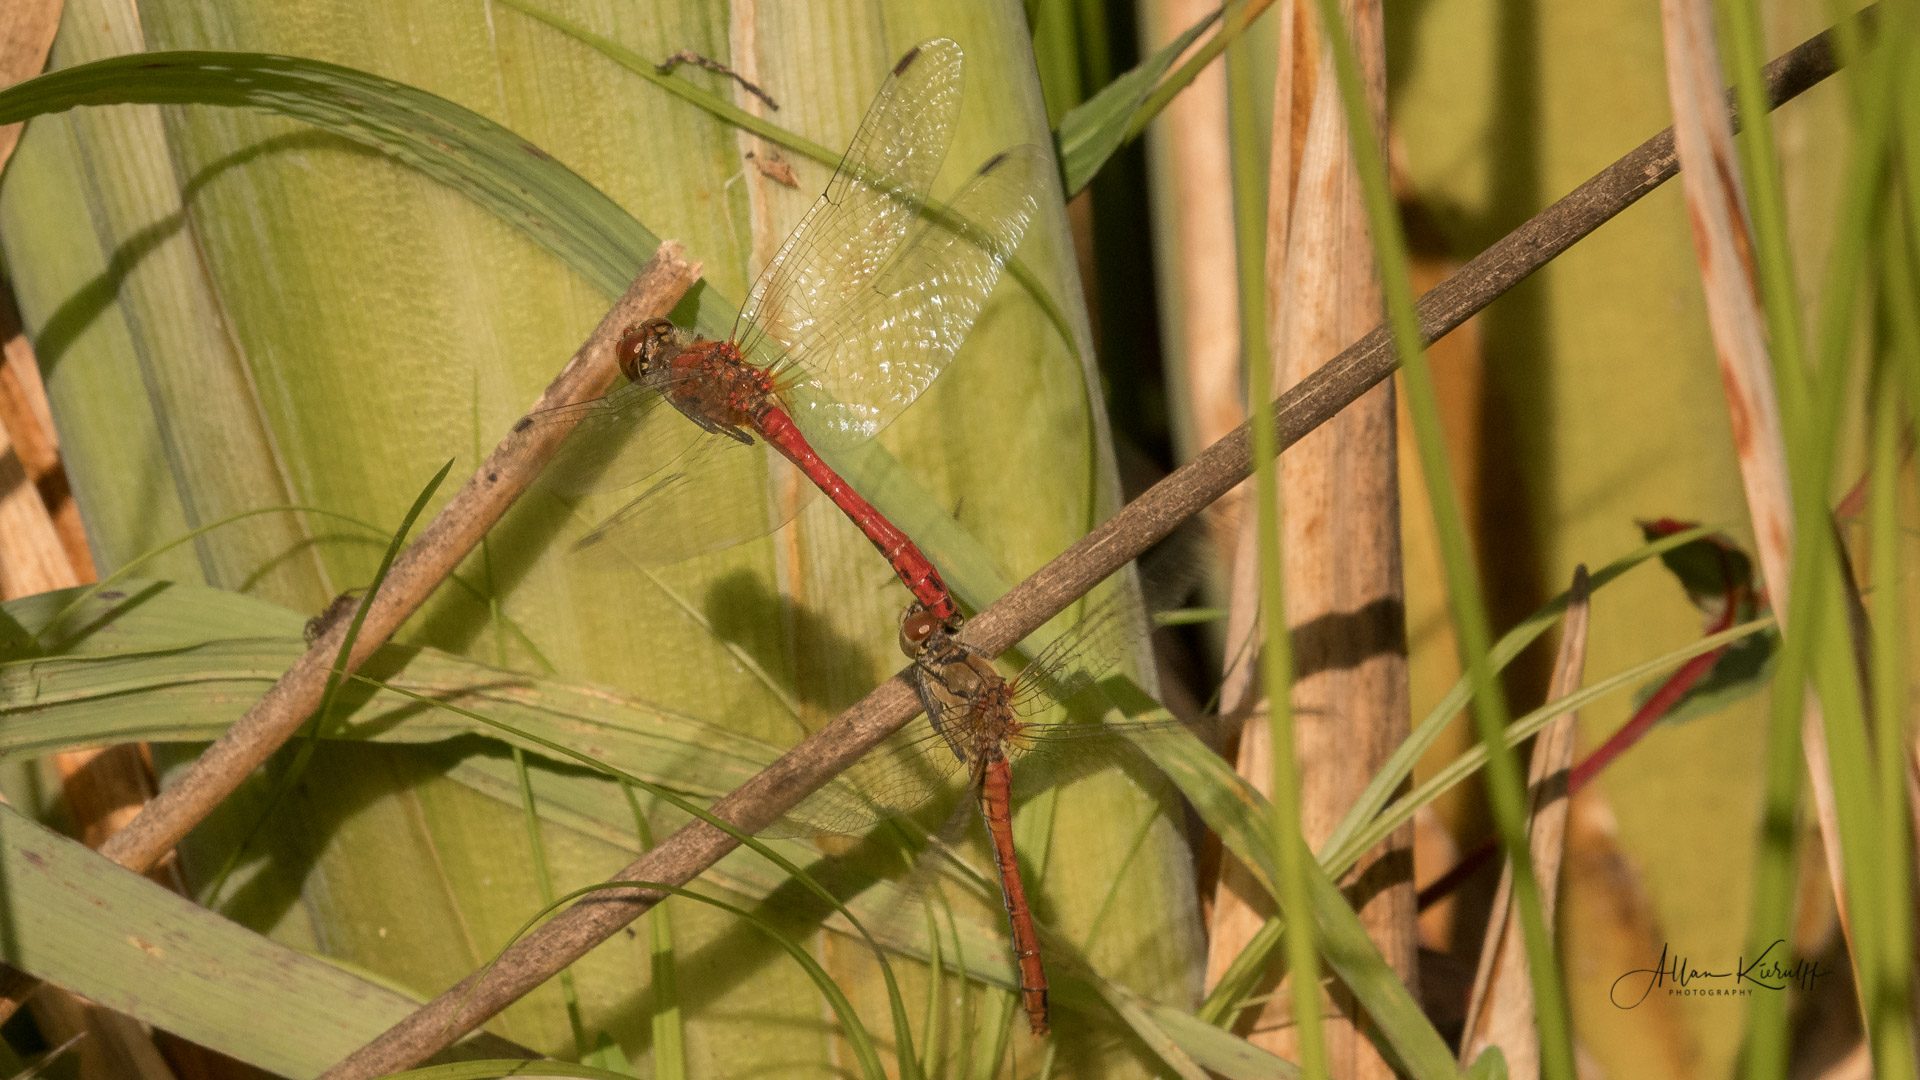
453 534
1111 545
502 478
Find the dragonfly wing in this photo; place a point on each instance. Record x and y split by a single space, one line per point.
892 780
1069 669
865 362
617 441
715 495
867 209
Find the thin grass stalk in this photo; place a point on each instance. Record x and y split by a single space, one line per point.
1276 666
669 1045
1308 1039
543 877
1506 786
1764 188
1821 646
1890 1016
1835 748
1500 1009
1238 915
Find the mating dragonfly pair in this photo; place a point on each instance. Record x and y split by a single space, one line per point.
855 316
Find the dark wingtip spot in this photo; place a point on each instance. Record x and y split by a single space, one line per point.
906 61
525 423
993 162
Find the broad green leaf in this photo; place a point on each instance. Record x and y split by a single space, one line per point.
102 931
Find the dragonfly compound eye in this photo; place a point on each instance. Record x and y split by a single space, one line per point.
645 346
916 626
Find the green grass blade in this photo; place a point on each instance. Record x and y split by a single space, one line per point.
303 754
1890 1016
504 1067
669 1048
81 596
1402 810
1289 852
512 178
856 1032
1398 767
83 923
1092 131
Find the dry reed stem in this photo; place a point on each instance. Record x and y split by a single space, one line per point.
1723 245
1193 211
1340 496
1111 545
1500 1008
27 28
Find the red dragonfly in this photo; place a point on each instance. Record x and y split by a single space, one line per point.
981 718
857 313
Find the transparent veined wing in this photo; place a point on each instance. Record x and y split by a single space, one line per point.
717 494
863 364
617 441
867 209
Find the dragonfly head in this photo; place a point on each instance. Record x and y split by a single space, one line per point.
921 631
646 350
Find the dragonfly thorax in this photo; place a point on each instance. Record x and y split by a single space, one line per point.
707 380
